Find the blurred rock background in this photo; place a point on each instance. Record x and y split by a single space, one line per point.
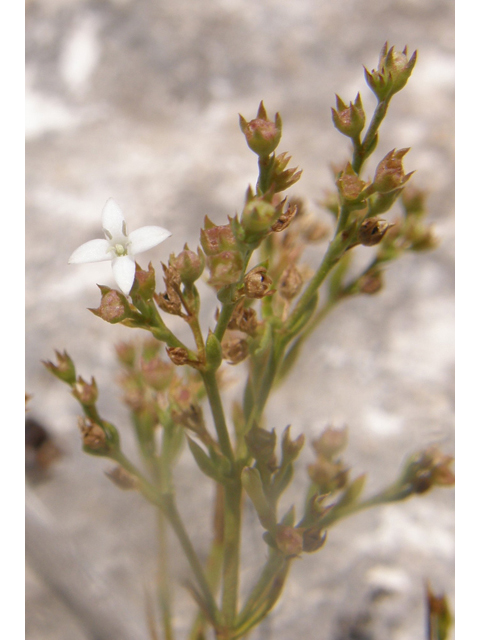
138 100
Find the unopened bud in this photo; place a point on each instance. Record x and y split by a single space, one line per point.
331 442
235 350
394 70
329 476
126 353
350 186
290 283
390 174
261 444
157 373
289 540
370 283
291 448
188 264
349 120
64 370
178 355
85 393
313 539
114 307
262 135
93 436
225 268
259 215
144 284
217 238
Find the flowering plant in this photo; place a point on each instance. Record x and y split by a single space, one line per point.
268 305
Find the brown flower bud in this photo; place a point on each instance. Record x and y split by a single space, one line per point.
393 72
93 436
390 174
188 264
235 350
262 135
85 393
331 442
114 307
285 219
290 283
372 231
261 444
178 355
370 283
170 302
291 448
350 186
122 478
329 476
243 319
257 283
313 539
126 353
217 238
289 540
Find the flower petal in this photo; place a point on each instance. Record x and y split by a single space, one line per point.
146 237
91 251
124 273
112 219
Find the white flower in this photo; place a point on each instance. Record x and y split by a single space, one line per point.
119 246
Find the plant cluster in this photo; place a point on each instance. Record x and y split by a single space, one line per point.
269 302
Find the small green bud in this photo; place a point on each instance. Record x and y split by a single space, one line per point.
213 352
64 370
262 135
349 120
144 284
394 70
259 215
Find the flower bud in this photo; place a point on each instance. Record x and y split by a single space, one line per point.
389 174
313 539
289 540
114 308
413 201
126 354
291 448
189 265
349 120
217 238
283 178
329 476
243 319
262 135
370 283
144 284
259 215
213 352
331 442
427 469
350 186
225 268
290 283
178 355
372 231
64 370
235 350
257 283
86 394
98 440
394 70
261 444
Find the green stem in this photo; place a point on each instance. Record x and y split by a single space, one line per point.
215 401
366 148
231 552
164 587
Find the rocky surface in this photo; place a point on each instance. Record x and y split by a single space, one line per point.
138 100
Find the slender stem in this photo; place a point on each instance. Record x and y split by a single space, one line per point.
224 319
362 151
216 406
177 524
231 552
164 587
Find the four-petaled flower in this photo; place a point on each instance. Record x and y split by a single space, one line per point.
119 246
